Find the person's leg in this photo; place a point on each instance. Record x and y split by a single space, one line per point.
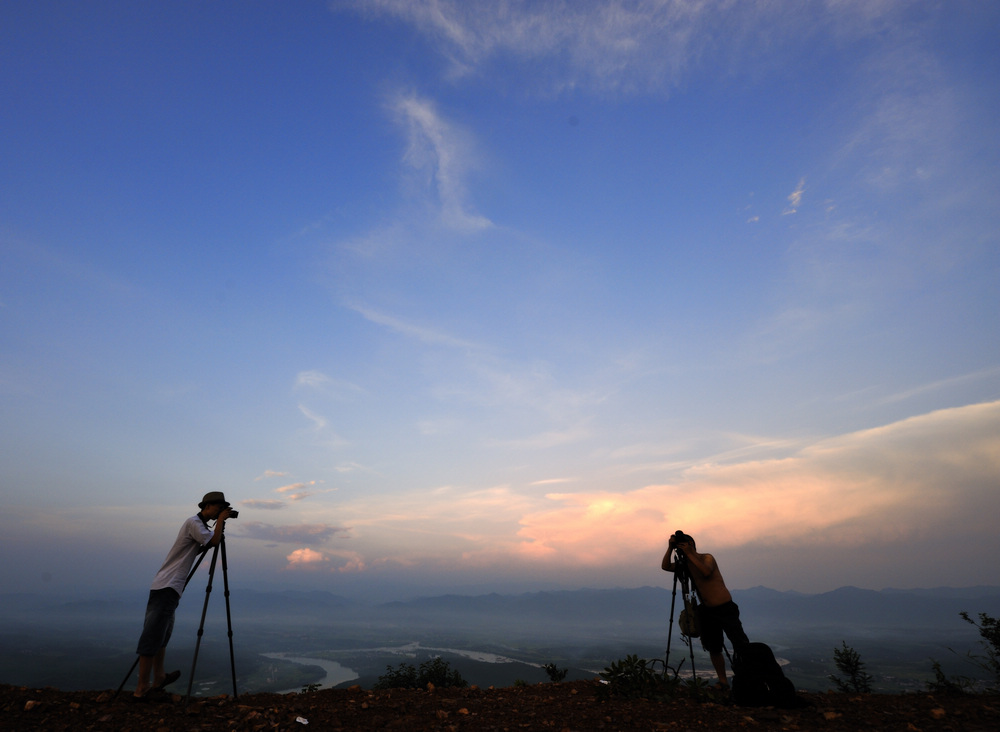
711 641
158 672
156 631
734 627
145 667
719 662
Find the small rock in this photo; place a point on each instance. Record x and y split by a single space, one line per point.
938 713
31 704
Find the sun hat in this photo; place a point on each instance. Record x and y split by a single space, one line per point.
214 497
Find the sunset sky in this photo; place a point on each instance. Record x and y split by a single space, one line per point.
457 295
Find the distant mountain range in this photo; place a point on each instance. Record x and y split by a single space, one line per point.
565 614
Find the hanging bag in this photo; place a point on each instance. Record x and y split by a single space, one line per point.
690 620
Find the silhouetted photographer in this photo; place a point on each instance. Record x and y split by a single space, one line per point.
194 538
717 613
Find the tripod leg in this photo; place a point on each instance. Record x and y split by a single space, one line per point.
201 627
229 617
670 624
125 680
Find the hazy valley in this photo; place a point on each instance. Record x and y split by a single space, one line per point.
85 643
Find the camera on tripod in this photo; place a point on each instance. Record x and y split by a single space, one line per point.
679 538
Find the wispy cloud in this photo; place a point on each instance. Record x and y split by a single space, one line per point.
606 44
264 504
319 421
795 198
477 374
294 487
307 534
326 385
617 45
445 154
321 430
424 334
940 384
270 474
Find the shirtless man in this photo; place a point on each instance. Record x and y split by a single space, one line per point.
717 611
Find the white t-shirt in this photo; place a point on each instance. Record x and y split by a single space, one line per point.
191 539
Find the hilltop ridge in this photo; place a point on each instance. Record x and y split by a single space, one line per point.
576 705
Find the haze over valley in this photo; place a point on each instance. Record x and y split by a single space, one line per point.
88 643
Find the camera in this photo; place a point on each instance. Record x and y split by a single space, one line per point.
233 513
679 538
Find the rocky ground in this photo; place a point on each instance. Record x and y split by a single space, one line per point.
568 706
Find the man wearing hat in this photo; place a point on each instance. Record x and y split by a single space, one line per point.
194 538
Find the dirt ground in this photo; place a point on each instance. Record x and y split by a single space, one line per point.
576 705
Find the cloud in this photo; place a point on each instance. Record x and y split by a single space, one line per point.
318 420
478 376
266 505
902 485
270 474
625 46
308 534
905 482
320 382
445 154
294 487
312 560
604 44
305 558
320 428
423 334
795 198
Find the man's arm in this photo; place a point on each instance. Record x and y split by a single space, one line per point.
666 564
220 525
703 564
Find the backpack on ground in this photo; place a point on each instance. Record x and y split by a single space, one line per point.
758 680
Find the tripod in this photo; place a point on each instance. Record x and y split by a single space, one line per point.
682 576
221 546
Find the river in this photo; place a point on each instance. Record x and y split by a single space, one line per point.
335 673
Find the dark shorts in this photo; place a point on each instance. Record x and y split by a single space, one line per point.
159 623
719 619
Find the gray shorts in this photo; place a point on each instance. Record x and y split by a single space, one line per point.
159 623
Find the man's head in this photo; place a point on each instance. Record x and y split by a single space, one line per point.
681 538
214 498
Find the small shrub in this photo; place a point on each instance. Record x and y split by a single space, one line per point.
955 686
849 663
635 678
435 671
989 634
555 673
310 688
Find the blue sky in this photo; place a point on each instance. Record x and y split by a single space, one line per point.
470 296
